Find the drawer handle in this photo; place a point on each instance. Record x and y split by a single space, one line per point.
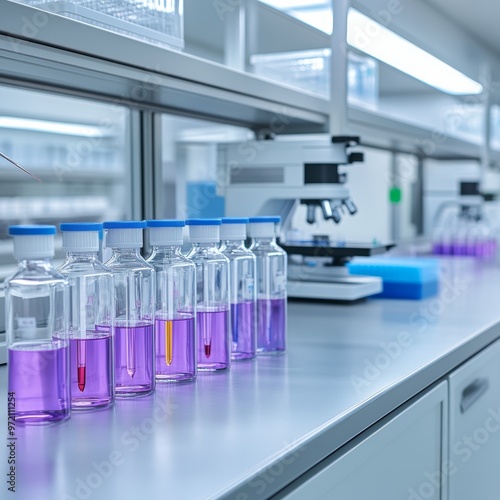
473 392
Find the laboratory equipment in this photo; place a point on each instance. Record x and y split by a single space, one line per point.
403 277
271 285
134 281
212 295
159 22
175 310
276 177
242 269
462 227
36 297
91 317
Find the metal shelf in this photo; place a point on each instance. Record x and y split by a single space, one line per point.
389 133
96 62
108 66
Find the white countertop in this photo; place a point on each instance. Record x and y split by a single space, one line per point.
248 433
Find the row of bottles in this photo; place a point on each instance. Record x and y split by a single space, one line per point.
464 233
82 334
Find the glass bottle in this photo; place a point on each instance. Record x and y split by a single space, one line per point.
134 281
271 285
91 315
212 295
175 310
36 298
242 268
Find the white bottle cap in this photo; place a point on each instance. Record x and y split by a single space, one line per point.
33 242
204 230
80 236
166 232
124 234
263 227
233 228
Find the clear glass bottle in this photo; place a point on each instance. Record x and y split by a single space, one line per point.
175 310
91 317
243 293
36 298
212 295
271 285
134 281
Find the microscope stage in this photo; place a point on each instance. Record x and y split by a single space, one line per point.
345 288
325 249
327 277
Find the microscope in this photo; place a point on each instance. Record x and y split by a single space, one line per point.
274 177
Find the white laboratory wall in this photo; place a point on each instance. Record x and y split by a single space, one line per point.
369 184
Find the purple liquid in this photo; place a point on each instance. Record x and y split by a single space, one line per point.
91 371
271 325
459 249
177 364
446 249
38 374
134 353
487 249
480 249
213 340
243 330
437 249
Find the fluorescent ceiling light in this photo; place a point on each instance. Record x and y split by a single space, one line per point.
50 127
214 134
316 13
374 39
371 37
296 4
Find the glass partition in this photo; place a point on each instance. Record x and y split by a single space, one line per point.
191 183
78 149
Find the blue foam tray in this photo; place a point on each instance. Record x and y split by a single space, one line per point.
402 277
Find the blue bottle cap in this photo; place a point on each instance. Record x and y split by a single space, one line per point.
80 226
235 220
203 222
30 230
165 223
266 218
124 224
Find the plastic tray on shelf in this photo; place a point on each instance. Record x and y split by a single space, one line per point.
159 22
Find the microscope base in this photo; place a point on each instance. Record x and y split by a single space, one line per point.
341 288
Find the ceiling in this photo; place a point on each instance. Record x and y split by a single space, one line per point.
480 18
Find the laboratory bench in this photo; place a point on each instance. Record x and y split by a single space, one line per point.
363 401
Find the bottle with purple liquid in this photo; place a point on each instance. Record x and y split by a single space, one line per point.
90 318
175 310
271 285
242 268
134 292
36 298
212 295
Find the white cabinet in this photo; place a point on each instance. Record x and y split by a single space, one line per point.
474 444
401 459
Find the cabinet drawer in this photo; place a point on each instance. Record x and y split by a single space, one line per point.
474 444
401 459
